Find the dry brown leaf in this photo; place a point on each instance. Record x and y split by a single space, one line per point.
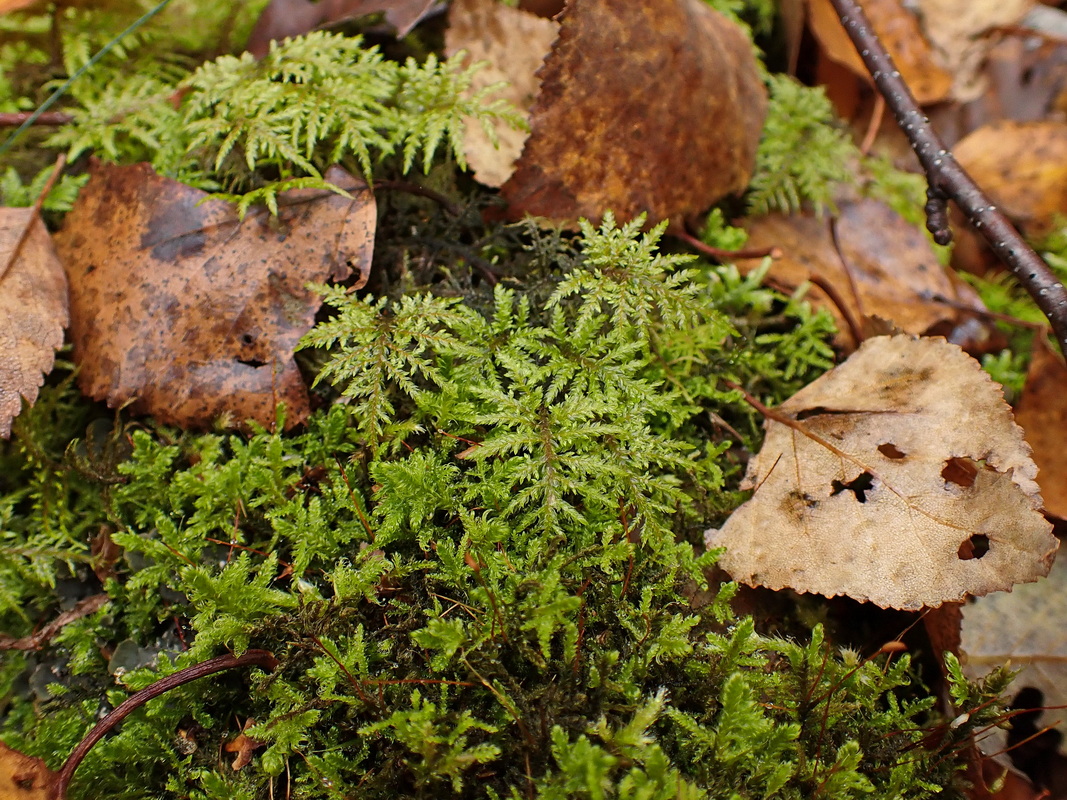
908 459
24 777
1026 628
189 314
1042 412
892 271
512 44
7 6
244 746
899 31
958 31
1022 166
33 309
645 106
283 18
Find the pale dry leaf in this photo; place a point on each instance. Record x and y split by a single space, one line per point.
959 31
648 106
33 309
908 466
1042 412
1027 628
511 44
885 267
191 315
1022 166
899 32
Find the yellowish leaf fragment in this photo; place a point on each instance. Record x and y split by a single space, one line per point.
903 481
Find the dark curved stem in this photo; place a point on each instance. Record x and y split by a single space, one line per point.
948 180
251 658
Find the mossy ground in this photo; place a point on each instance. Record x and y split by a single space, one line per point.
479 562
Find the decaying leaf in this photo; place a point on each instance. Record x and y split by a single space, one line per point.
1022 166
1027 628
886 267
957 29
1042 412
33 309
283 18
189 314
646 106
243 746
900 478
899 32
512 45
24 777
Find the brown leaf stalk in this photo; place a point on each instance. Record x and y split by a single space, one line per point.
10 119
948 180
251 658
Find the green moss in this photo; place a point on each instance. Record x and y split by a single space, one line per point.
477 575
480 562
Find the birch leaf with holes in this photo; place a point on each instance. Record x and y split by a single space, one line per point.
900 479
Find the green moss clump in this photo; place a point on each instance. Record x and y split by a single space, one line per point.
479 575
480 562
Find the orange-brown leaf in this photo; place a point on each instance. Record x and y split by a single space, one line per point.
1042 411
885 267
24 777
33 309
645 106
189 314
898 31
1022 166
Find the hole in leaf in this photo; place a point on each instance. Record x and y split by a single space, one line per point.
890 450
247 338
251 362
974 547
961 471
859 486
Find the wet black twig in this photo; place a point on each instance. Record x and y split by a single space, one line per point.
947 179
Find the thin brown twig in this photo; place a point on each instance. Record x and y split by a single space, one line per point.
12 119
37 640
947 179
776 252
724 255
250 658
854 326
422 191
874 125
986 313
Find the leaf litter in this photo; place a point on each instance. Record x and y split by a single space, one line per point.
878 263
899 478
1026 628
595 143
1042 412
184 311
33 309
